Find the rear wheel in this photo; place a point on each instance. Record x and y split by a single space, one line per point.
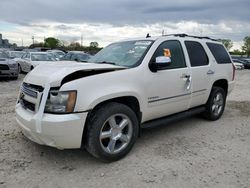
112 130
215 104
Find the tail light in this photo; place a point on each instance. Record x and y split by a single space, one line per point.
233 72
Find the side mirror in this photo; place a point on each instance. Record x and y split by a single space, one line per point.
163 60
160 63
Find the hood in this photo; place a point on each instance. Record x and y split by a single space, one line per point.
57 73
6 61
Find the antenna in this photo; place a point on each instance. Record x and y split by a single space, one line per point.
148 36
162 32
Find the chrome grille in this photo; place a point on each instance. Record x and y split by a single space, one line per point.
28 91
30 96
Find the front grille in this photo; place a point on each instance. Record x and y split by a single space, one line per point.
27 105
4 67
28 91
30 96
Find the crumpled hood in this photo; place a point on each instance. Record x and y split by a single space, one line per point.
54 72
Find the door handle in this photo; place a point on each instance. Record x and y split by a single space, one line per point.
210 71
188 80
185 76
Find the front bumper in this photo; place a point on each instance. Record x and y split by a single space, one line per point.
12 72
60 131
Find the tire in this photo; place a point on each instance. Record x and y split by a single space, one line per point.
107 138
216 104
19 69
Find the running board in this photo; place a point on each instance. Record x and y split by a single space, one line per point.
173 118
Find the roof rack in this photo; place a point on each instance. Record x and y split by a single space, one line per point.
185 35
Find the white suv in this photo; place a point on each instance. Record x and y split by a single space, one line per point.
129 85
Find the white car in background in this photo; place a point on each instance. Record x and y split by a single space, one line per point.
58 53
31 59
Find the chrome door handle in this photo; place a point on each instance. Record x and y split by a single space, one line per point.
210 72
185 76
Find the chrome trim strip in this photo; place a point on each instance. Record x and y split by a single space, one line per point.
161 99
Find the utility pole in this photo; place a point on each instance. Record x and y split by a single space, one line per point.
33 39
81 40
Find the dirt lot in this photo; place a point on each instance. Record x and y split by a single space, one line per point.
189 153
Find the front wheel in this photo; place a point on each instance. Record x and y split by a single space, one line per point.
112 130
215 104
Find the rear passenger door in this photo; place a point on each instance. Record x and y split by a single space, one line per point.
200 71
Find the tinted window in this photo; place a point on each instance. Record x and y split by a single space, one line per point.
176 53
196 53
219 52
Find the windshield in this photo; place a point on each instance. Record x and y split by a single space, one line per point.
128 53
3 55
41 57
16 54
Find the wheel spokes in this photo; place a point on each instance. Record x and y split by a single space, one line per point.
111 145
106 134
112 122
124 138
123 124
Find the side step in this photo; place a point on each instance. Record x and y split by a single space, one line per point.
173 118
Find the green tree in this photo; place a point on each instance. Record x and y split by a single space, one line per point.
94 44
51 42
246 45
227 43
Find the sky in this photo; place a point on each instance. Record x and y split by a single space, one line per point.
106 21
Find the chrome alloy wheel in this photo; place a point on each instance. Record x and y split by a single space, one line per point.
116 133
218 103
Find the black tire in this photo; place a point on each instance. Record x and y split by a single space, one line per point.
98 119
19 69
210 112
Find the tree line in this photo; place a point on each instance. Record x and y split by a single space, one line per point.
245 49
54 43
93 47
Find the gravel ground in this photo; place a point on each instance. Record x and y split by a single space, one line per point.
189 153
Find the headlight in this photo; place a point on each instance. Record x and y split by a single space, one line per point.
12 65
60 102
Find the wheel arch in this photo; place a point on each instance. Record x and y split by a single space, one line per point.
222 83
129 100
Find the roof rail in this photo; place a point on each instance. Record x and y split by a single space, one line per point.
185 35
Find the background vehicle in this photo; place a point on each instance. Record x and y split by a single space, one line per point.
128 85
32 59
8 67
15 54
76 56
238 64
58 53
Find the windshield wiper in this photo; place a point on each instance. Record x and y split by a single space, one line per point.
106 62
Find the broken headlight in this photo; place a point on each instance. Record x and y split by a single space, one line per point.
60 102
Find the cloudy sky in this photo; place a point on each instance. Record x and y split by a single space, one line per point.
106 21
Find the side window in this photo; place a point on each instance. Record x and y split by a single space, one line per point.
74 57
196 53
219 52
67 56
28 56
176 53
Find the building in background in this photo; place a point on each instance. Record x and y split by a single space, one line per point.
4 43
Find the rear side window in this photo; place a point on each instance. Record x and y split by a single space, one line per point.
196 53
219 52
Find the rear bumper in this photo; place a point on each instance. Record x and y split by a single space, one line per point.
59 131
230 87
